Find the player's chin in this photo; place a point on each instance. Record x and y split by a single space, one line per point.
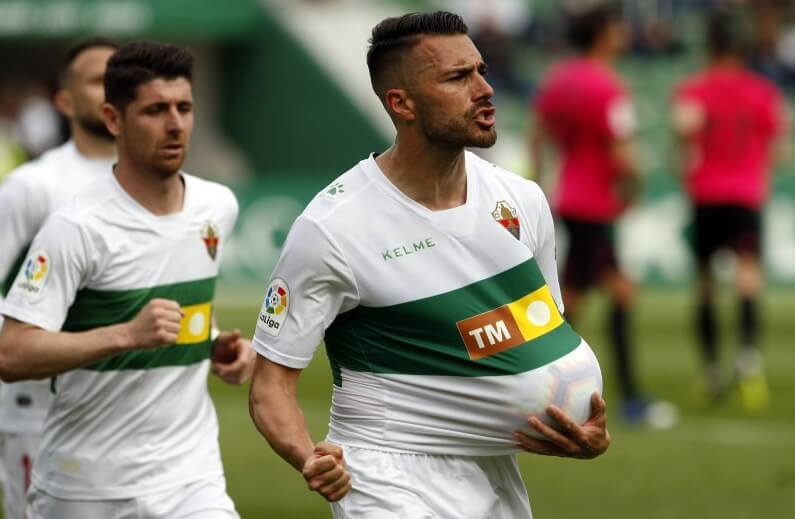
483 137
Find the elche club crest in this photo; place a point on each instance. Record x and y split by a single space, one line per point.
506 216
210 237
274 308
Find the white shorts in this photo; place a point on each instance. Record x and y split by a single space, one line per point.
205 499
388 485
17 452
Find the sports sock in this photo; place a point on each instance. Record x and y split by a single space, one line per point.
708 332
619 334
749 323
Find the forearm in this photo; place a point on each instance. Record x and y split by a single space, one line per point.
278 417
27 352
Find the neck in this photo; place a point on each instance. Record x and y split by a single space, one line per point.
602 54
91 146
160 195
430 175
725 61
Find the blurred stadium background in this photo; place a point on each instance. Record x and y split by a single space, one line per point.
284 105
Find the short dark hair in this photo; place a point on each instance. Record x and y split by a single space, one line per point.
139 62
725 34
77 49
393 36
585 27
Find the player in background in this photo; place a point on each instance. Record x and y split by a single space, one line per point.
114 303
399 266
583 108
728 119
30 194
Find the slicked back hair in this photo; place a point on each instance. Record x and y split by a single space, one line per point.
77 49
392 37
139 62
585 27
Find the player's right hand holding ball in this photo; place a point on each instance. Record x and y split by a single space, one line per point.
156 325
326 473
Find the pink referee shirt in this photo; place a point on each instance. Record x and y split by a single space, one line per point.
584 108
743 114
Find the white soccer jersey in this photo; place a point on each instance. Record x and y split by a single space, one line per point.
141 421
437 323
27 197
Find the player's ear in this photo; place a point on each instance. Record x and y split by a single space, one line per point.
64 103
112 118
399 104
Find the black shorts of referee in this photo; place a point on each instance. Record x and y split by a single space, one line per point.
725 226
591 252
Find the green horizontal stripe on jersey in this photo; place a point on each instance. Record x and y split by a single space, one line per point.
93 308
420 337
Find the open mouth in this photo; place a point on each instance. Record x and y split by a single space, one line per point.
486 117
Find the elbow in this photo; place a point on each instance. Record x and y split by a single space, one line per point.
10 368
7 372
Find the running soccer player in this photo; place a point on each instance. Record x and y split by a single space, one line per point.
30 194
430 273
114 302
728 118
583 108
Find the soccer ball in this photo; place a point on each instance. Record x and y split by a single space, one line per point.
567 382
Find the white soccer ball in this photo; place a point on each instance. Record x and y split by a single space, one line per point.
567 382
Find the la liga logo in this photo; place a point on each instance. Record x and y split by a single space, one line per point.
34 273
274 308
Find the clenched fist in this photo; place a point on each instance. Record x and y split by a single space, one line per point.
156 325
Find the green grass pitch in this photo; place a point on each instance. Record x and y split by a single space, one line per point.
719 462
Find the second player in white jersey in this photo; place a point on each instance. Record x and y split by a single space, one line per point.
30 194
441 327
140 421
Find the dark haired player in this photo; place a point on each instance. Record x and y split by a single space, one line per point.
728 118
431 278
114 303
583 108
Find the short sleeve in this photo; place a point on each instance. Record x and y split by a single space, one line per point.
23 209
310 285
545 251
622 122
51 274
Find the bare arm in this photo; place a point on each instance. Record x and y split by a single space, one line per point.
536 145
278 417
29 352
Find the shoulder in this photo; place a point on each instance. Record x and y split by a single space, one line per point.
341 195
210 192
528 192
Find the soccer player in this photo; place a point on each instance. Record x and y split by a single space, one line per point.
430 274
27 197
583 108
114 303
728 119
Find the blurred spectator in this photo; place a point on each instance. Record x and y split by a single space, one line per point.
38 125
11 153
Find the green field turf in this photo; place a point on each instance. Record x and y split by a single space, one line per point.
717 463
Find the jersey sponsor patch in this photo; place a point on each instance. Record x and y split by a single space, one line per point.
510 325
33 275
274 308
194 327
506 216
